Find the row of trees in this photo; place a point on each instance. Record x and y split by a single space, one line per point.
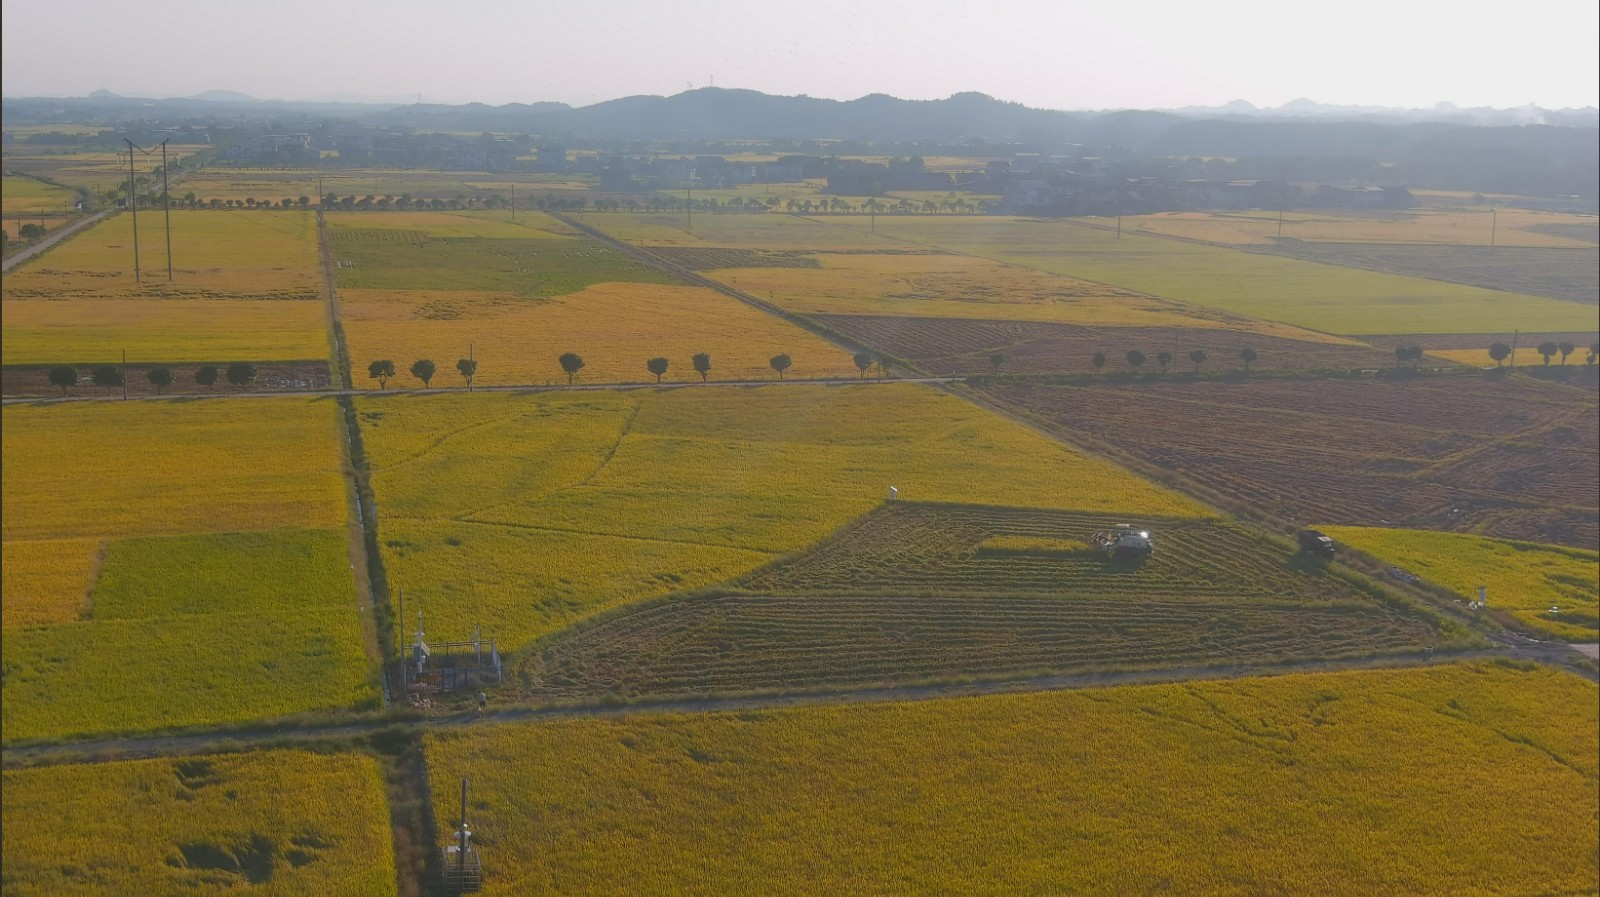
110 376
383 369
1137 359
1501 351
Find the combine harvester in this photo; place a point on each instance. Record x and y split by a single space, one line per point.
1123 543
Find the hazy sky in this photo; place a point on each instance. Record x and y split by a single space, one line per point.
1059 55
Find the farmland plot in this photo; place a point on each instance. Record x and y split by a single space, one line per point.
1316 296
1334 783
527 512
953 345
1476 227
182 563
1553 589
274 823
1512 458
918 592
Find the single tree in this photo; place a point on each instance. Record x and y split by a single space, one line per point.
381 370
1500 352
1594 355
423 369
1548 350
657 366
1566 349
160 378
780 363
1163 359
469 369
572 363
31 231
1198 356
206 375
1099 360
1401 354
702 365
240 373
106 375
64 376
863 363
883 366
1248 355
996 360
1135 358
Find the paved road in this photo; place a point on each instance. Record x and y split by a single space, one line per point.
52 239
227 393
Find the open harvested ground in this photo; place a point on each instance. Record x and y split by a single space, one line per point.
1570 274
765 231
915 592
1463 227
286 822
956 346
527 512
1506 457
1554 590
615 327
1353 783
26 380
1328 298
174 563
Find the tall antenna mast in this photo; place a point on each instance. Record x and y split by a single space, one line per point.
166 195
133 205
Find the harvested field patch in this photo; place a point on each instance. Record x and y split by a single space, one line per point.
1507 457
976 591
958 346
763 231
528 512
615 327
1523 578
1329 298
345 228
1440 227
1570 274
284 822
711 258
1332 783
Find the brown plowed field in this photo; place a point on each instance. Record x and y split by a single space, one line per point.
1512 457
963 346
33 380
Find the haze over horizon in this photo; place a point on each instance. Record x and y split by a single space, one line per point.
1043 55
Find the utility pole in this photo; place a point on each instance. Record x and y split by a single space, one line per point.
1514 335
124 375
133 206
513 202
688 201
1492 224
166 194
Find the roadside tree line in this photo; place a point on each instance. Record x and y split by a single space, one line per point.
571 363
110 376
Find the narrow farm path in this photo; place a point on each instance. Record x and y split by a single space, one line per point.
52 239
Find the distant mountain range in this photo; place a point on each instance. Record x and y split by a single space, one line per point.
730 114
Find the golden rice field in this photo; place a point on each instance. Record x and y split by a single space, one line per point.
1454 227
1525 579
615 327
84 331
961 286
1316 296
216 255
281 823
21 195
174 563
1415 782
527 512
